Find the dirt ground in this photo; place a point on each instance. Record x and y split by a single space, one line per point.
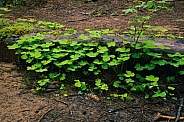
19 104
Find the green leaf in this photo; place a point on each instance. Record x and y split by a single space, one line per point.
140 77
150 4
102 49
104 87
159 94
98 82
78 83
129 74
41 70
45 62
114 95
114 62
83 86
53 75
138 67
134 89
136 55
62 87
177 54
104 66
116 84
34 66
96 72
149 66
152 78
123 49
111 44
106 58
63 76
82 63
181 72
83 37
159 62
92 54
88 48
129 80
24 56
35 54
156 55
59 55
43 82
130 10
75 57
14 46
92 67
121 76
171 88
63 42
96 61
146 96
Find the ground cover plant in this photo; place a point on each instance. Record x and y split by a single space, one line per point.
70 61
61 100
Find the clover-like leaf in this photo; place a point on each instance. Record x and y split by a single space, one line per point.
111 44
92 54
129 74
152 78
116 84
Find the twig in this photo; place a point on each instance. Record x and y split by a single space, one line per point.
159 115
78 20
119 109
179 110
44 114
61 102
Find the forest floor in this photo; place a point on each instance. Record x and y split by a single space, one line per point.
19 104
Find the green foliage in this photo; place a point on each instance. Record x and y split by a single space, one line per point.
85 61
59 59
18 29
12 2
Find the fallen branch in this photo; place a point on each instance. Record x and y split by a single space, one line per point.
160 116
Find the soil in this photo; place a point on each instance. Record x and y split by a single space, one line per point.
18 103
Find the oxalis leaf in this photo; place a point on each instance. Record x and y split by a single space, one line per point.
106 58
152 78
14 46
149 66
41 70
159 62
111 44
104 65
92 54
102 49
43 82
96 61
83 37
78 83
159 94
123 49
114 62
35 54
24 56
138 67
82 63
116 84
129 74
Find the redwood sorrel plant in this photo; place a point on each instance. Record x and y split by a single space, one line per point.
85 60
